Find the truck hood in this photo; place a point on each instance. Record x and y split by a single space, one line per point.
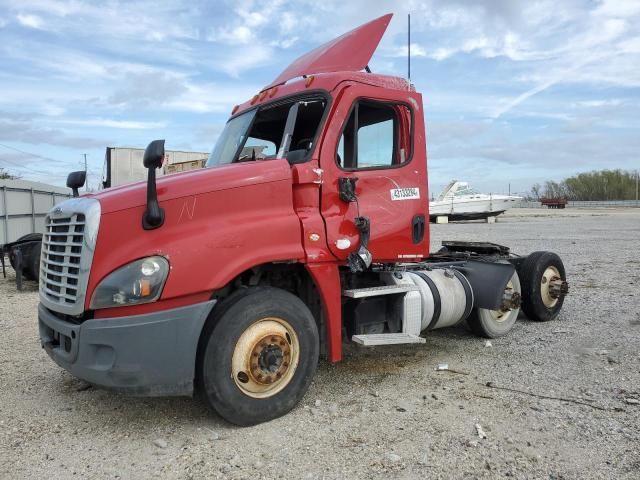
196 182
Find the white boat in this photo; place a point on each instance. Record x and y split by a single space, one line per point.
459 201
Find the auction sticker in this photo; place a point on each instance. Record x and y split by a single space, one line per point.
410 193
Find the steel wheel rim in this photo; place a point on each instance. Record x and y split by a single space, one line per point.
265 357
550 274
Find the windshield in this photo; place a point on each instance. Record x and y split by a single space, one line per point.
466 191
284 129
230 139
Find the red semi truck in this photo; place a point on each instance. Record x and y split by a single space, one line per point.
307 228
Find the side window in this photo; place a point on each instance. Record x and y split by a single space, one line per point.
376 135
257 148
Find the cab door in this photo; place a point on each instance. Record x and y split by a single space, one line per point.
376 139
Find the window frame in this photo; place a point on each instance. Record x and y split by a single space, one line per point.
390 103
292 98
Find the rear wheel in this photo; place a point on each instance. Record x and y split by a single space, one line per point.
33 266
544 286
260 356
30 256
495 323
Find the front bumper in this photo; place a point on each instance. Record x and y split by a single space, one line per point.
143 355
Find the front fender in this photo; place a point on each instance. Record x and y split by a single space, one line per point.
208 239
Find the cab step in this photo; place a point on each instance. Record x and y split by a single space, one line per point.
372 340
377 291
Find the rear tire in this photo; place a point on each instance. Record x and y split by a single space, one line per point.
30 256
259 356
33 268
495 323
537 272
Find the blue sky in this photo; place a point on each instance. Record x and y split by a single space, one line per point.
515 92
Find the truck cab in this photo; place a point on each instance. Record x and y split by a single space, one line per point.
308 227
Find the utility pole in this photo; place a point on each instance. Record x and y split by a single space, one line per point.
637 173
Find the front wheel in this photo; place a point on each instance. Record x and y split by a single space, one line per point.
259 356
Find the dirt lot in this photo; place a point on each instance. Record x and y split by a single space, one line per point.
382 413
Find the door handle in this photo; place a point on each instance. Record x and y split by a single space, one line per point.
418 228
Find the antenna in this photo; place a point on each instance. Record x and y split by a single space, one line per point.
86 186
409 47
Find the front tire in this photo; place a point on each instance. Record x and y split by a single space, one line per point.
260 356
496 323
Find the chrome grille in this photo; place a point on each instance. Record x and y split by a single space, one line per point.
71 231
61 253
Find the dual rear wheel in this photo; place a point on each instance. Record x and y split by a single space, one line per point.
539 283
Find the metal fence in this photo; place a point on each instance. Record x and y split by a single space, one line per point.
23 206
586 204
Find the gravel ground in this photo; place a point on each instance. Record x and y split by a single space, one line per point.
382 412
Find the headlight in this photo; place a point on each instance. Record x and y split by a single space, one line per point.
138 282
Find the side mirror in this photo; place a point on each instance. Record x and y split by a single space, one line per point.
75 180
154 154
153 216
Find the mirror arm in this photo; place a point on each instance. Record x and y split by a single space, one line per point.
153 215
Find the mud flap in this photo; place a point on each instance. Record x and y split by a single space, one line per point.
488 281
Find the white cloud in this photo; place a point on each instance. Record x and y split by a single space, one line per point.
31 21
239 60
600 103
631 45
401 51
212 97
253 19
110 123
284 42
240 35
619 8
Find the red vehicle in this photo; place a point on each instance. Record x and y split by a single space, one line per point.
307 228
555 202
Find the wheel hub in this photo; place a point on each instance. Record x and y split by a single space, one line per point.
270 359
558 287
511 300
265 357
552 287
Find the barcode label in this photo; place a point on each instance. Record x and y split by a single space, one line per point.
411 193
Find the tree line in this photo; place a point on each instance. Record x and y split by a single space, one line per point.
5 175
597 185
